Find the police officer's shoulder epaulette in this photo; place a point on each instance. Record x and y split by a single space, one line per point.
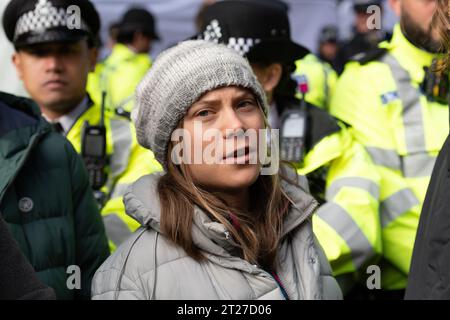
121 112
368 56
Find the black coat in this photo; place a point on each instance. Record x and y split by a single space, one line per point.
17 277
429 276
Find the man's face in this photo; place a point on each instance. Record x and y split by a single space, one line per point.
142 43
415 19
361 22
55 74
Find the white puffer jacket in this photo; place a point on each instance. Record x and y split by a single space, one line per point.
149 266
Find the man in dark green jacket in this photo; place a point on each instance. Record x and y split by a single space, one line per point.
46 200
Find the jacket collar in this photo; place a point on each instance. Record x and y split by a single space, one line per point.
210 236
121 52
16 145
23 132
409 56
68 120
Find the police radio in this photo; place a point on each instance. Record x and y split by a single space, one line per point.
436 85
294 128
93 152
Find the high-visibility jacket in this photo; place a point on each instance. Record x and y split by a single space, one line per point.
403 131
320 78
118 75
127 162
342 178
347 224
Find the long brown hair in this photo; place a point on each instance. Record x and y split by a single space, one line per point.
441 21
259 231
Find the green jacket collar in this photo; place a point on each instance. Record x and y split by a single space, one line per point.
16 144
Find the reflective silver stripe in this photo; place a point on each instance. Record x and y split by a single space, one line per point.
412 166
338 219
418 165
412 109
385 157
122 141
326 99
354 182
116 230
396 205
119 190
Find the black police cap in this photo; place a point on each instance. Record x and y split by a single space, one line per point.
363 5
28 22
259 30
329 33
138 19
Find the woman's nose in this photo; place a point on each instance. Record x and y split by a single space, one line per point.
232 123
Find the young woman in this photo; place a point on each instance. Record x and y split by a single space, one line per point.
212 230
339 170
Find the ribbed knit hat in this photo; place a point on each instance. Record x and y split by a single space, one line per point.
177 79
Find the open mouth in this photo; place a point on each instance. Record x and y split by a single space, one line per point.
239 156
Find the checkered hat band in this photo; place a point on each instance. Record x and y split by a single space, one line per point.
242 45
213 33
33 21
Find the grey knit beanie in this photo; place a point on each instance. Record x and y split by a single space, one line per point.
177 79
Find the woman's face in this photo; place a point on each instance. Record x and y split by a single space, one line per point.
221 127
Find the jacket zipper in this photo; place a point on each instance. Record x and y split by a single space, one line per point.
280 284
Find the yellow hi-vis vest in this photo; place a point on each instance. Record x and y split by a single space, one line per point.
320 77
118 75
128 161
403 133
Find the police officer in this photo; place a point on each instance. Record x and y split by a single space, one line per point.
55 43
397 108
318 72
347 224
320 78
128 62
364 36
328 46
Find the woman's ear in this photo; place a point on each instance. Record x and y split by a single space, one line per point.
272 77
269 76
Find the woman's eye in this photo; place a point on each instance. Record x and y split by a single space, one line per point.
245 104
203 113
